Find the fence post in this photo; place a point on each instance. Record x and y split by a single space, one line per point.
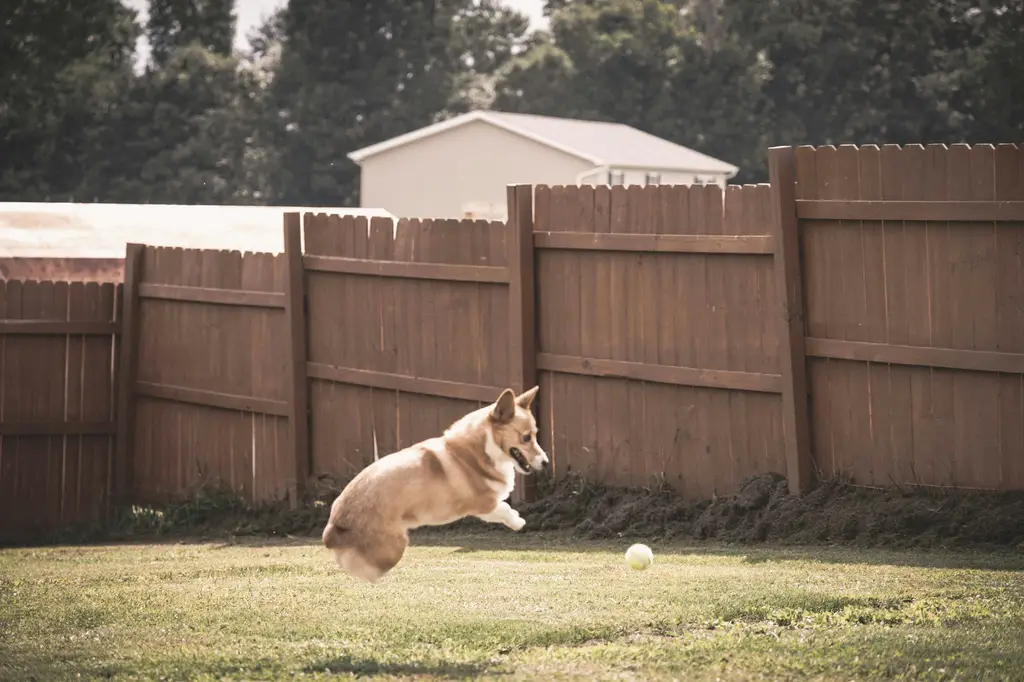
522 315
128 360
295 314
795 409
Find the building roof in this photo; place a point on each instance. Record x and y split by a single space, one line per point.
68 230
600 143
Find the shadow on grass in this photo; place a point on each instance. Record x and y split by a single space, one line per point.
347 665
561 541
469 540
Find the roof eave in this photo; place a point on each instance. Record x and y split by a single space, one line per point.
359 155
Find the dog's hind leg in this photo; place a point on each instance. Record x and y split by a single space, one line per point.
385 552
339 541
370 557
334 536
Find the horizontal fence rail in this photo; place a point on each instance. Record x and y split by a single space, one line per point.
917 356
225 401
919 211
403 383
656 243
662 374
191 294
441 272
58 327
58 428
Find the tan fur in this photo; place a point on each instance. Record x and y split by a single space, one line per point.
467 471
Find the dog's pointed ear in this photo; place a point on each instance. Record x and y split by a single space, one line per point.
505 407
525 399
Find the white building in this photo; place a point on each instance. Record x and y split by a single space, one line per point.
460 167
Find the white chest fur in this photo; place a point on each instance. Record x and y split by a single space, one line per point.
504 465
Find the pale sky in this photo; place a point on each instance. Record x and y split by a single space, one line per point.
251 14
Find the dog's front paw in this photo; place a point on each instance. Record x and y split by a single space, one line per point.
516 523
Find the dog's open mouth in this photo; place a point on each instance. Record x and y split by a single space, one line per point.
520 459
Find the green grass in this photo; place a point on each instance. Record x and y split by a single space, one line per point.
509 607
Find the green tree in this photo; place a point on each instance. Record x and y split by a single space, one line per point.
175 136
676 74
178 23
355 72
862 71
256 114
540 81
991 91
183 130
487 35
732 77
604 59
61 64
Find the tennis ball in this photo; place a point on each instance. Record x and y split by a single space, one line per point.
639 557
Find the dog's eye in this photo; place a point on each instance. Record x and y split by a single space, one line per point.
527 438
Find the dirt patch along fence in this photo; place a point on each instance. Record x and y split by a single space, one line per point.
861 315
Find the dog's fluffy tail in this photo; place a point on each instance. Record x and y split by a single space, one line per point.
334 536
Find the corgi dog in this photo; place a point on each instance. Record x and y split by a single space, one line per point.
468 471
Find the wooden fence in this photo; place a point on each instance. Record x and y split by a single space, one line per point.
658 342
57 376
259 370
208 376
413 330
915 311
859 315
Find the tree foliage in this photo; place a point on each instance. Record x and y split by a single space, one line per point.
353 73
60 65
667 70
175 24
274 123
175 135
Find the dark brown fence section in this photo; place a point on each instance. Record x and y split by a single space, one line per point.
211 382
914 314
659 354
409 330
57 378
861 315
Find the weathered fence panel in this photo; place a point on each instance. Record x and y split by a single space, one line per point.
408 330
658 348
57 378
914 314
211 387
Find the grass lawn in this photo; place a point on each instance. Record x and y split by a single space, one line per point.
509 607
